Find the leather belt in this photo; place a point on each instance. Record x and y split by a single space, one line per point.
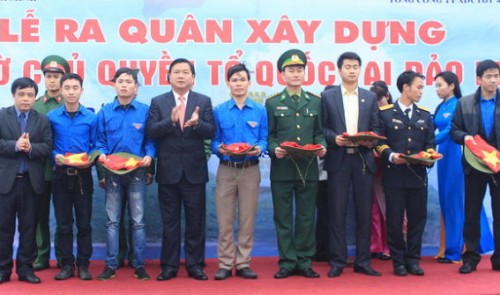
240 165
71 171
22 175
351 150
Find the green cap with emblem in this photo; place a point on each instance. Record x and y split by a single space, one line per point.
56 64
292 57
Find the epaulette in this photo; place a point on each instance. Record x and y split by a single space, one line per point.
423 109
274 95
386 107
312 94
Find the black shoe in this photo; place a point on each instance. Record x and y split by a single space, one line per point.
222 274
198 274
30 278
246 273
367 270
335 271
308 273
381 256
495 267
283 273
166 274
467 268
414 269
400 270
444 260
107 274
141 274
68 271
40 265
83 273
4 278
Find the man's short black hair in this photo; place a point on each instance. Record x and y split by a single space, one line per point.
237 68
128 71
407 77
72 76
347 55
22 83
485 65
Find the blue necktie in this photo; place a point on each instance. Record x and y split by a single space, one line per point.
22 123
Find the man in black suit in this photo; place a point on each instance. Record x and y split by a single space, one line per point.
180 121
477 114
349 108
409 130
25 141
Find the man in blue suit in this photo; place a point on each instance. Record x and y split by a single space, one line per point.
180 121
350 165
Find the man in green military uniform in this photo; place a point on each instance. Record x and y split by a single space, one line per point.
53 68
294 115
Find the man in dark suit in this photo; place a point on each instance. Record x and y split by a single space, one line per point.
477 114
350 165
409 130
25 141
180 121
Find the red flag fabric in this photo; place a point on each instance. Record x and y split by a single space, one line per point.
485 152
364 135
116 162
237 148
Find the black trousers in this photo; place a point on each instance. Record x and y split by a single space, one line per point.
475 188
21 202
73 192
352 175
414 202
172 197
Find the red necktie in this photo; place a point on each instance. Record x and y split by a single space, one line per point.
182 111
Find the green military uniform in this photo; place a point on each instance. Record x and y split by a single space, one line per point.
45 104
298 121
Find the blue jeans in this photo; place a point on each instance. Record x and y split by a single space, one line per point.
131 186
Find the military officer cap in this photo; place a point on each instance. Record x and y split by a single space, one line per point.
56 64
292 57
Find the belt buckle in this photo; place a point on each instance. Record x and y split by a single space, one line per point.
350 150
71 171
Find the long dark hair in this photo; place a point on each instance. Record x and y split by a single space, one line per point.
451 78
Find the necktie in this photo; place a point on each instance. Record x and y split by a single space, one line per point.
407 113
182 111
295 99
22 124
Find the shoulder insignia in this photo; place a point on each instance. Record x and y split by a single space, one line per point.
423 109
386 107
274 95
312 94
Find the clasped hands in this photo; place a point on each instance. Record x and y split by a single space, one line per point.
23 144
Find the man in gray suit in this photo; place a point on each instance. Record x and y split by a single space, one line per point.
348 108
25 141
